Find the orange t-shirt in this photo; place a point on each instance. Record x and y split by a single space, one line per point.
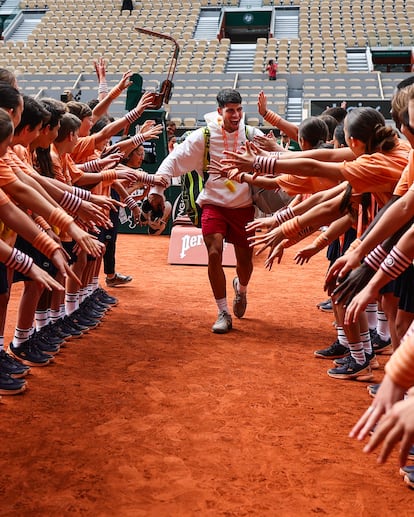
378 172
293 184
17 159
407 177
23 153
64 168
85 147
6 172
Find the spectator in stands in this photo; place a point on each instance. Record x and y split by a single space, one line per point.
271 70
127 5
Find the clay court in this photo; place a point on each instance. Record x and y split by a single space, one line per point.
153 415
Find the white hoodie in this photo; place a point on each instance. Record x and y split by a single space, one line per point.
189 155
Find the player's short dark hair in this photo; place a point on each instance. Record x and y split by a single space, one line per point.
228 96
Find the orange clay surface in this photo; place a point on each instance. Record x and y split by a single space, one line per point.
153 415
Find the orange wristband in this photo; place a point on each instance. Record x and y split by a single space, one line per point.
115 92
42 223
59 218
109 176
45 244
290 228
321 241
354 244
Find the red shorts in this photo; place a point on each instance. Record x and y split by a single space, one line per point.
229 222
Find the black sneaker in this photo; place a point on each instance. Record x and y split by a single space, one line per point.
326 307
104 297
58 328
408 469
381 347
409 479
44 345
91 305
50 336
14 368
334 351
79 319
10 386
371 357
352 370
373 389
67 326
29 354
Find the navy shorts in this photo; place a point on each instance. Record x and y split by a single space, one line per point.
68 247
4 284
38 258
404 290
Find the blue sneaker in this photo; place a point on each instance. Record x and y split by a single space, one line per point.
352 370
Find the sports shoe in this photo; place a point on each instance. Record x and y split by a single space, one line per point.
323 303
83 321
29 354
411 453
44 345
118 279
240 300
10 386
373 361
14 368
69 326
334 351
102 296
50 336
373 388
371 357
408 469
326 307
57 328
223 323
382 347
409 479
352 370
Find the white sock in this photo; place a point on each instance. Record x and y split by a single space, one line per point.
41 319
55 315
222 305
71 302
371 312
21 335
62 311
383 328
357 352
366 342
343 340
1 343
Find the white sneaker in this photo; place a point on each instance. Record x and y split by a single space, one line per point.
223 323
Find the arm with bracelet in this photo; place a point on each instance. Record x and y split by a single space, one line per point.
107 97
387 267
16 260
335 230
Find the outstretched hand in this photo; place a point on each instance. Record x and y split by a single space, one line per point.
241 161
355 281
262 104
387 395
